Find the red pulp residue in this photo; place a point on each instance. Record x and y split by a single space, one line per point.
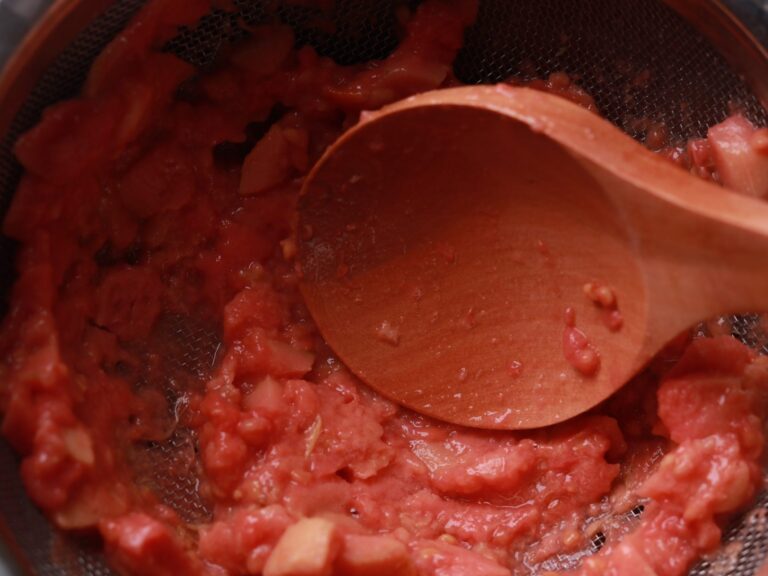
577 349
604 297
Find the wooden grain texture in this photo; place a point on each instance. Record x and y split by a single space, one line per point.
444 238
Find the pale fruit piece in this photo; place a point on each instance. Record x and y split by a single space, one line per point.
373 556
308 548
740 160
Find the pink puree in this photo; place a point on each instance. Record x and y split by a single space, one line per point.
126 218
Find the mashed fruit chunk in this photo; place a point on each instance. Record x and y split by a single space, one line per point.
156 313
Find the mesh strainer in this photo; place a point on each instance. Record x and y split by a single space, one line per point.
606 44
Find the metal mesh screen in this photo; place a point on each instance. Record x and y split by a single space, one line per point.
639 60
187 351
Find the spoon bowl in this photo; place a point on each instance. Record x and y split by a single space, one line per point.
501 258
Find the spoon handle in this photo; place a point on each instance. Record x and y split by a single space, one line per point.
704 250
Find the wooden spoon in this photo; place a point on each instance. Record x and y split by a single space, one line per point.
446 242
